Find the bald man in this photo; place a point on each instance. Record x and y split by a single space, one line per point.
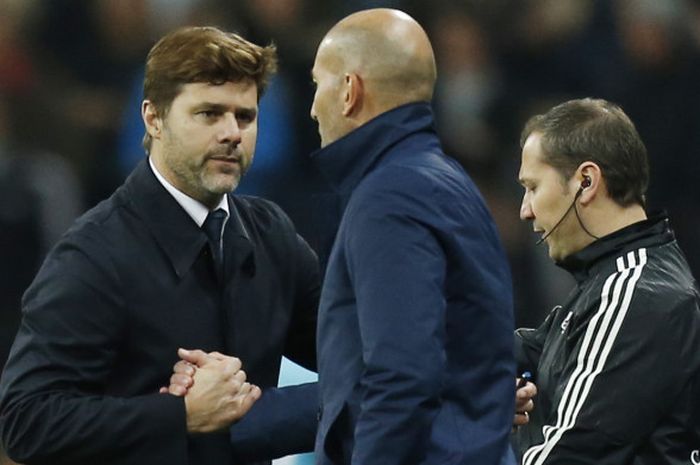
415 320
415 323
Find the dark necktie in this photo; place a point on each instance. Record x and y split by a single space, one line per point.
213 228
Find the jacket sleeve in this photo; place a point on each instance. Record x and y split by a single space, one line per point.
282 422
628 371
397 269
53 405
301 340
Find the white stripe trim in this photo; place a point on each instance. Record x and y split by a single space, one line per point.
564 401
579 385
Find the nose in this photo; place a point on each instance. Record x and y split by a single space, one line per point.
312 113
526 209
229 132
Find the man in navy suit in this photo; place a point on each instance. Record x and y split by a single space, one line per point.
415 341
170 260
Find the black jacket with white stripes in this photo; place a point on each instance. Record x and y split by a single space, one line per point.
618 365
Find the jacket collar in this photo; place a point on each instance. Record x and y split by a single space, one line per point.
346 161
173 228
655 230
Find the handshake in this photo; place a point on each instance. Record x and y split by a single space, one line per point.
214 387
216 392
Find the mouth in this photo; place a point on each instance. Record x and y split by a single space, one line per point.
226 165
233 160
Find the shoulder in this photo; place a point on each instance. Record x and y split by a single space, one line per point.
82 264
93 243
429 169
648 293
273 232
269 227
412 178
262 215
96 223
664 283
428 186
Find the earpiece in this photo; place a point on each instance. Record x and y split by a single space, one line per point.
584 184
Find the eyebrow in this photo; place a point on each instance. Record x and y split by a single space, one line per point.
223 108
210 106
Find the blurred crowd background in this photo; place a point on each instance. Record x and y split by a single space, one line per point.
70 89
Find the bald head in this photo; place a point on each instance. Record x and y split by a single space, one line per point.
389 50
369 63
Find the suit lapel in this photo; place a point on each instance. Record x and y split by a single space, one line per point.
173 229
239 252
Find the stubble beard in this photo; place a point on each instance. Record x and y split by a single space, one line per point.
198 178
213 183
217 181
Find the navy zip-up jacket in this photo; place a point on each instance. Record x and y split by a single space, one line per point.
415 323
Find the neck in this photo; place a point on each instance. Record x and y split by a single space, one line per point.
610 217
376 102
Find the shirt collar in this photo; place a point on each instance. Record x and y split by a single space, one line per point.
196 209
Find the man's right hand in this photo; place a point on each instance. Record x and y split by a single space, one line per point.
215 390
523 402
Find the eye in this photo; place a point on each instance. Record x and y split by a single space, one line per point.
246 116
529 189
208 114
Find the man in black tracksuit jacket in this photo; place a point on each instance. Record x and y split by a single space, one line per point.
618 364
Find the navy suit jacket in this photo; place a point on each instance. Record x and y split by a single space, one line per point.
415 329
128 284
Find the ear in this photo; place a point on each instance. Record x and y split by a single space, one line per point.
589 178
353 94
151 119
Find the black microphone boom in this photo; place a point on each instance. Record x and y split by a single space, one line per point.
568 210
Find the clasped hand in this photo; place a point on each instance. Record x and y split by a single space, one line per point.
214 387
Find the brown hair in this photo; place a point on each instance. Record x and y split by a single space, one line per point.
202 54
599 131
